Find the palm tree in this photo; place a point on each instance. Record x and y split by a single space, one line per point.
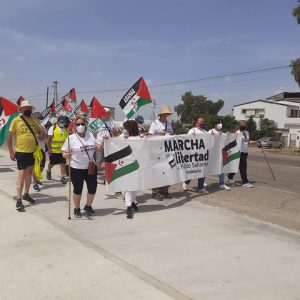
295 65
296 12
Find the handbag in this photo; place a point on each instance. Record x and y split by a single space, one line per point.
91 168
92 165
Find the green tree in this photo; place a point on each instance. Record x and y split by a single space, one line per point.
179 128
267 128
296 12
252 128
195 106
229 123
295 65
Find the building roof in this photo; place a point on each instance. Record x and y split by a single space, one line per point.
269 102
285 95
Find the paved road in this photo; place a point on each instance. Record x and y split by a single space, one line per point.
286 170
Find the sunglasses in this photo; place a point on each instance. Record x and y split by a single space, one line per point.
78 124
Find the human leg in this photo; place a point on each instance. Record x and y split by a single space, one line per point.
222 185
91 181
243 167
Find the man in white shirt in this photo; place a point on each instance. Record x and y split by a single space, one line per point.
162 126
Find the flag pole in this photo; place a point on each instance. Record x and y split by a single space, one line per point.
69 216
267 162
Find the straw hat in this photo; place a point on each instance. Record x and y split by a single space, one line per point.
165 109
25 103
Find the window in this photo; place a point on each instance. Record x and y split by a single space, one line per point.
294 113
244 111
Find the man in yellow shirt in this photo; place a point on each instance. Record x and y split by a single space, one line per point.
57 134
25 145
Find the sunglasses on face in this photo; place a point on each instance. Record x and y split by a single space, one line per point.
78 124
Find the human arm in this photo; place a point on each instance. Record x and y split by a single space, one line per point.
10 147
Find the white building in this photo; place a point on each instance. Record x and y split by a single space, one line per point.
283 108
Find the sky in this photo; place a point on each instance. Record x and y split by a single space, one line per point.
95 46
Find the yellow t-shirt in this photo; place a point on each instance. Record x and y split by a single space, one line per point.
25 141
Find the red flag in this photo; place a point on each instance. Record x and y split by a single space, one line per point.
83 107
52 106
97 110
143 91
72 95
8 106
67 106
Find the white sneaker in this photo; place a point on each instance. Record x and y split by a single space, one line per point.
185 186
230 181
248 185
203 191
224 187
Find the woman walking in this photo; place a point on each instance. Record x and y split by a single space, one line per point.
80 148
198 127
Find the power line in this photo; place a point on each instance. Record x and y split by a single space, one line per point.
192 80
179 82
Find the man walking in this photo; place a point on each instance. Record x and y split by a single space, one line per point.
23 130
57 135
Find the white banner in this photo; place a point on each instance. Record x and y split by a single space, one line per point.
136 164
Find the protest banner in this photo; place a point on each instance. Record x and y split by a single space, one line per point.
136 163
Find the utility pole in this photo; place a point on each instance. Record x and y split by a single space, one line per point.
55 93
47 99
153 113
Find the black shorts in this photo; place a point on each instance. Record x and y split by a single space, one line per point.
78 176
56 159
24 160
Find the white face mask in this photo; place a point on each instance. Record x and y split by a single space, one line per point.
219 126
80 128
169 119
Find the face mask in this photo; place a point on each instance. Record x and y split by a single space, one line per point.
242 128
61 125
80 128
202 126
169 119
125 132
219 126
27 113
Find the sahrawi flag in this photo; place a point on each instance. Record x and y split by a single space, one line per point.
119 164
8 111
231 152
137 96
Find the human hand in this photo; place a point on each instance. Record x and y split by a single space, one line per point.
67 155
12 156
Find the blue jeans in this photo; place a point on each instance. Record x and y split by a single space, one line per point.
200 182
221 179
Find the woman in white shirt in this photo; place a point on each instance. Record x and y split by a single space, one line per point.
217 126
80 148
198 128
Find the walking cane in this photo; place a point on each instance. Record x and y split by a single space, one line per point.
69 217
267 161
